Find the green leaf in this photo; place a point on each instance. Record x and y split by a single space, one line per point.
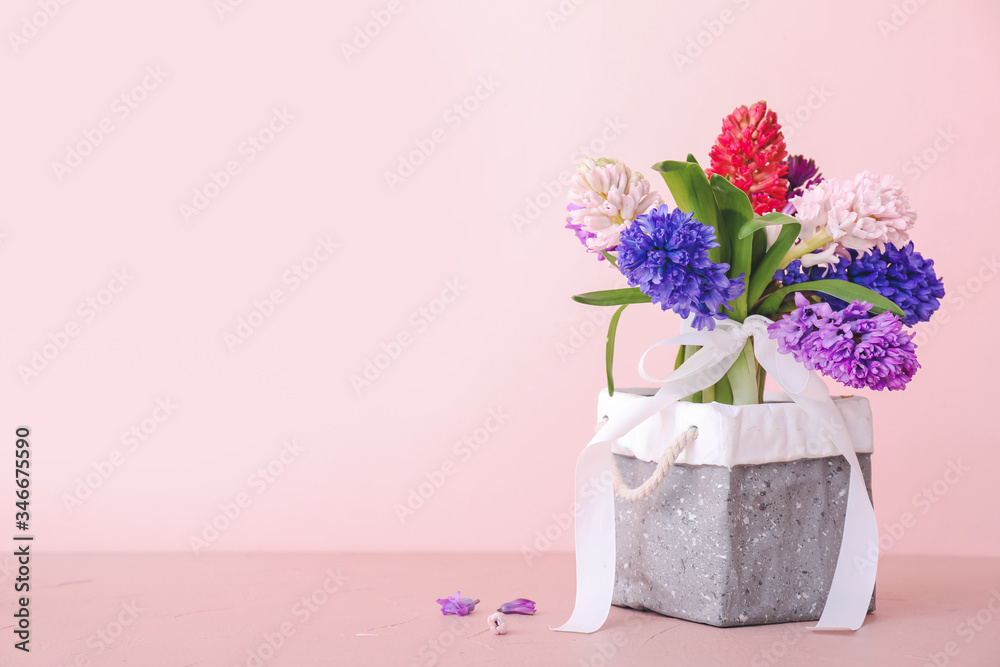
723 391
610 352
735 210
611 258
764 271
612 297
734 206
693 194
841 289
766 220
759 247
761 379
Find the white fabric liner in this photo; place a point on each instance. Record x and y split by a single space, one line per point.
732 435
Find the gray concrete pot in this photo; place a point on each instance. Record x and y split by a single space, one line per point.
742 544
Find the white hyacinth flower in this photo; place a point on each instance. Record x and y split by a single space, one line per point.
610 196
860 214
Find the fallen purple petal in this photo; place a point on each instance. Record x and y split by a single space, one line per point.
518 606
457 605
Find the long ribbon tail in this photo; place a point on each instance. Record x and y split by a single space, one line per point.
595 501
595 540
854 577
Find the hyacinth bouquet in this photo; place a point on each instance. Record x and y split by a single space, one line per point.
828 261
723 510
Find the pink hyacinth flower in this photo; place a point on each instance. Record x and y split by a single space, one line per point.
860 214
605 197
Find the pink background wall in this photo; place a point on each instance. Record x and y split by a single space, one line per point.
498 334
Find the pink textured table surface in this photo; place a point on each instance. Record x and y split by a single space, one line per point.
357 609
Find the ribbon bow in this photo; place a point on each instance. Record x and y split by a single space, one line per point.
852 586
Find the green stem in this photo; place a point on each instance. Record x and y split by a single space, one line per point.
743 377
683 354
761 378
801 250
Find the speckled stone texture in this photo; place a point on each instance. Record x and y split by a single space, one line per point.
742 546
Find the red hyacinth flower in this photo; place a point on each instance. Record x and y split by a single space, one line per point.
749 152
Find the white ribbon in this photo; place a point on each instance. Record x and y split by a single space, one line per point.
854 577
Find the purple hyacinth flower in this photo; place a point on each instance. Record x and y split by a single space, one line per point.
852 346
518 606
802 175
457 605
665 254
901 275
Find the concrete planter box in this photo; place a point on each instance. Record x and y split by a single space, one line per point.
746 528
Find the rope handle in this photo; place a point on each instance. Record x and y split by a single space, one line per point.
664 465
